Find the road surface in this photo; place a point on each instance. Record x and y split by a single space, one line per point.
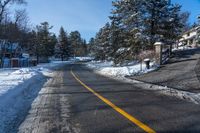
80 101
182 72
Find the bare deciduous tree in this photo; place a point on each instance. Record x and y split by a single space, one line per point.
5 3
21 19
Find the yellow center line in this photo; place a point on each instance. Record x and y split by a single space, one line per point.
116 108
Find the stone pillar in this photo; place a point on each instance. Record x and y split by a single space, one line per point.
158 50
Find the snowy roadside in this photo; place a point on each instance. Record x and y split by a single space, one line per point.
119 73
181 48
18 88
107 68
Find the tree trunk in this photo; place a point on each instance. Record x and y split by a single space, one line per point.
37 58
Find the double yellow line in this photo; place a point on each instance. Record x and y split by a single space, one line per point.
116 108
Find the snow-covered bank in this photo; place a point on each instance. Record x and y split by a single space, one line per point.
18 88
181 48
107 68
119 73
16 99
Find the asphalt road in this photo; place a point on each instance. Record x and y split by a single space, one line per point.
84 102
182 72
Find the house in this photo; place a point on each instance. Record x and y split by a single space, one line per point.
189 38
10 50
12 55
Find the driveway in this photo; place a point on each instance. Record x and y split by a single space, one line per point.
181 72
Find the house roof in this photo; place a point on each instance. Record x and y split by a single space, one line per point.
9 46
188 38
191 30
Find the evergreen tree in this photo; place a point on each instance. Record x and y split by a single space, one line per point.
102 41
135 26
173 24
63 45
117 41
45 40
53 41
84 47
156 11
127 29
76 43
91 47
164 21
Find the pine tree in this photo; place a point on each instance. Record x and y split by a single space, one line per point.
76 43
117 41
102 41
135 26
63 45
84 47
52 42
45 41
164 21
127 25
91 47
154 19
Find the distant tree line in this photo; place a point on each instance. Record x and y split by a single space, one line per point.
45 44
135 25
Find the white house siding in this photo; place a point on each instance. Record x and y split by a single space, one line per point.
189 38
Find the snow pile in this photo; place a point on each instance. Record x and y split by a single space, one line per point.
22 71
180 48
10 78
18 89
82 58
15 97
107 68
13 79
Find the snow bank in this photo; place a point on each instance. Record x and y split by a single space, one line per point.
83 58
180 48
18 88
107 68
15 95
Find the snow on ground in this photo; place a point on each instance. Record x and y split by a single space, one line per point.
180 48
83 58
18 88
10 78
107 68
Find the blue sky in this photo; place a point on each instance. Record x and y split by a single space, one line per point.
192 6
86 16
